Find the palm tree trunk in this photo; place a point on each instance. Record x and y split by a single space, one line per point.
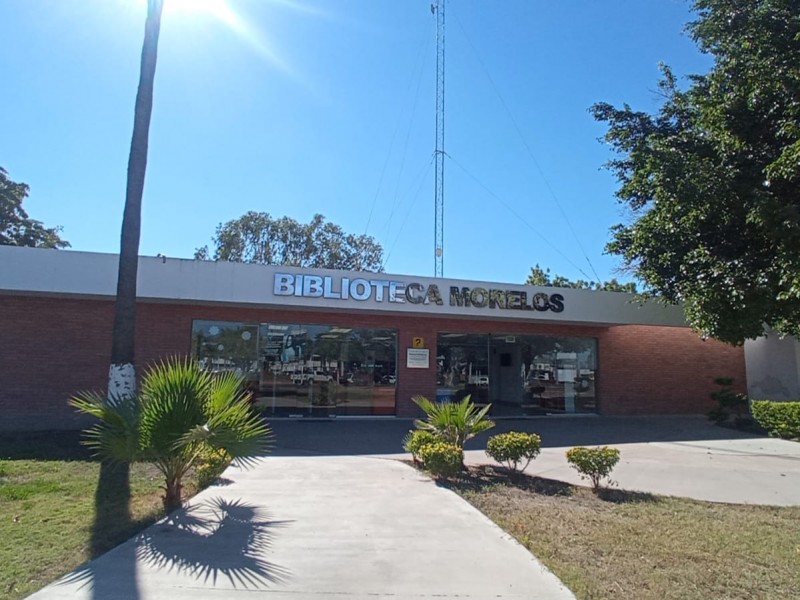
121 375
172 495
112 499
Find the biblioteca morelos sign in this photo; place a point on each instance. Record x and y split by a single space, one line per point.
401 292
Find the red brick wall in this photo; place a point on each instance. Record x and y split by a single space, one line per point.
50 349
659 370
55 347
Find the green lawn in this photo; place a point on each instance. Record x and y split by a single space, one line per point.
47 509
636 546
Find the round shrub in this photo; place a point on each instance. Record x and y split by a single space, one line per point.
514 448
210 464
780 419
442 459
594 464
415 440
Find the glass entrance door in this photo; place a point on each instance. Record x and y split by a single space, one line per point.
507 375
518 374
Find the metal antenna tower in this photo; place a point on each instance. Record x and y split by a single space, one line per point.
438 10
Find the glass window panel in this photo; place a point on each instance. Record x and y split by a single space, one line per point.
221 346
462 362
559 373
305 369
518 374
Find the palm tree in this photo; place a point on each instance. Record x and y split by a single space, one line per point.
121 375
180 413
113 489
453 422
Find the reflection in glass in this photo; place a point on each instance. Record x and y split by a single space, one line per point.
518 374
299 369
225 346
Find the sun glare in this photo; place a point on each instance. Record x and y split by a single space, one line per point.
222 12
218 9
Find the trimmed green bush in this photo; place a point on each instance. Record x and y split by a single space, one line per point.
415 440
442 459
781 419
594 464
513 448
209 465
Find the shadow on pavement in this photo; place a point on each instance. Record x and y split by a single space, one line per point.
384 436
216 539
112 514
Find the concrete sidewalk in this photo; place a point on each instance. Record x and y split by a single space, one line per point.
737 470
318 527
671 455
332 514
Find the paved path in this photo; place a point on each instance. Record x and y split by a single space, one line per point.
332 515
739 470
680 456
323 527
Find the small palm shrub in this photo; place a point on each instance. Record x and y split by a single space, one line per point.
415 440
780 419
442 459
514 448
179 412
453 422
594 464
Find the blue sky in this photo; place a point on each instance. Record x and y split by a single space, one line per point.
295 107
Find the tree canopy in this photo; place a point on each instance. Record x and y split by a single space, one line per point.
16 227
256 237
712 181
539 276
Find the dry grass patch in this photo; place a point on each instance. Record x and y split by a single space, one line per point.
639 546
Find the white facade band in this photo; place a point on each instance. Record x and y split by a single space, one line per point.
64 272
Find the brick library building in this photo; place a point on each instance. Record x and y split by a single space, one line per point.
322 343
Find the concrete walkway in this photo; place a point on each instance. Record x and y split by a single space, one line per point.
299 527
740 471
679 456
332 515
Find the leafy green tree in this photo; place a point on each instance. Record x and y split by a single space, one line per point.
179 414
713 179
256 237
16 227
541 277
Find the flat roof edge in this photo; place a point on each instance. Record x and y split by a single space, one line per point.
29 271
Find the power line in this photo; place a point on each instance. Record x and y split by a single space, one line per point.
405 145
516 214
420 60
422 177
530 152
